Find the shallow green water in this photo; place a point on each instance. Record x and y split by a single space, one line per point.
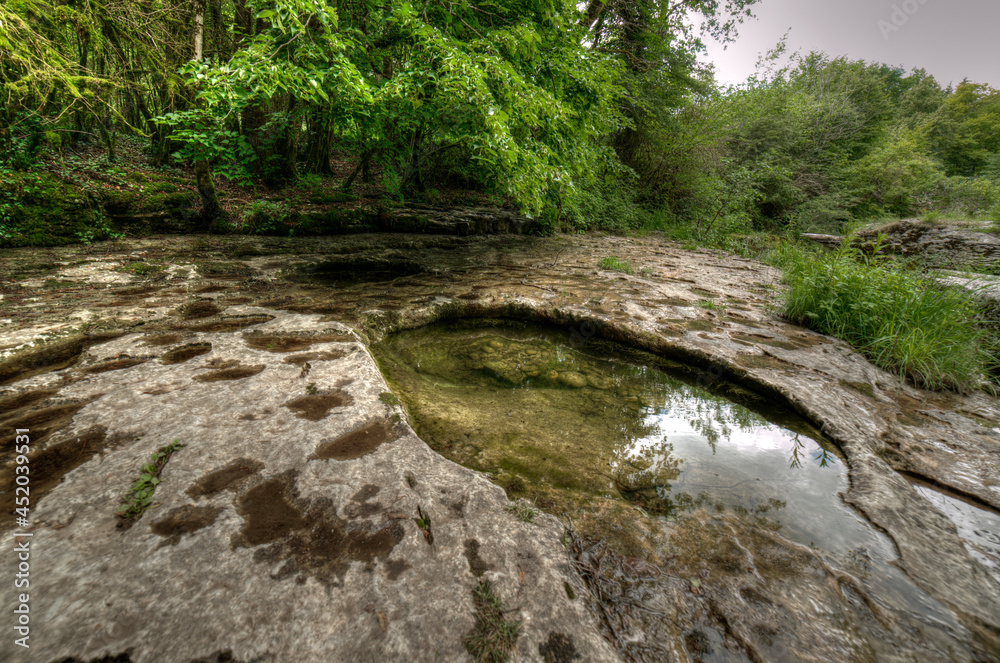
522 403
625 445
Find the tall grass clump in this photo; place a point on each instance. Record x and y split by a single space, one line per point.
902 321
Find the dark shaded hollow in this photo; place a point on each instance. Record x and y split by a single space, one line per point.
235 373
302 359
226 325
54 462
186 352
225 477
357 443
290 343
50 356
115 365
269 513
200 309
163 339
185 519
316 407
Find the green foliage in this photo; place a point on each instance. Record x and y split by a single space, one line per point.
24 135
822 143
494 637
903 322
140 494
613 207
974 197
100 230
266 217
585 114
614 264
964 133
897 176
300 53
38 209
309 181
518 92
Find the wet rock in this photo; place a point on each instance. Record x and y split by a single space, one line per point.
573 379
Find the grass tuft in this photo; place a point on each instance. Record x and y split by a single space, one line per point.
712 305
494 637
612 263
523 509
902 321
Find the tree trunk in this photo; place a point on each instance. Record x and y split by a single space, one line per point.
287 143
210 207
411 176
320 145
594 10
198 29
219 46
242 18
361 167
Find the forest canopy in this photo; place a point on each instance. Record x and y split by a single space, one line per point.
586 114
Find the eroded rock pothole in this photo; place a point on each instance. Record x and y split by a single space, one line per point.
684 502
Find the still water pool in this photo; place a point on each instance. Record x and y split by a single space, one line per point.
667 464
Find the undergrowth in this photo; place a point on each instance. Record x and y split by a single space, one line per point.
901 320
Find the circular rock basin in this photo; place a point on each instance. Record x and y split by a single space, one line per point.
707 519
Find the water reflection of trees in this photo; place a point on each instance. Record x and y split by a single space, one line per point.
644 475
822 457
712 417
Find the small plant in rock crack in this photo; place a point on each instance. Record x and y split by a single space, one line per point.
524 510
712 305
140 494
614 264
494 637
424 523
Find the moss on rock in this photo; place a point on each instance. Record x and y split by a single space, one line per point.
38 209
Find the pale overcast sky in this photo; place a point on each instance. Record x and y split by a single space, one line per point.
951 39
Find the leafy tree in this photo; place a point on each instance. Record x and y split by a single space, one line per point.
299 55
965 132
